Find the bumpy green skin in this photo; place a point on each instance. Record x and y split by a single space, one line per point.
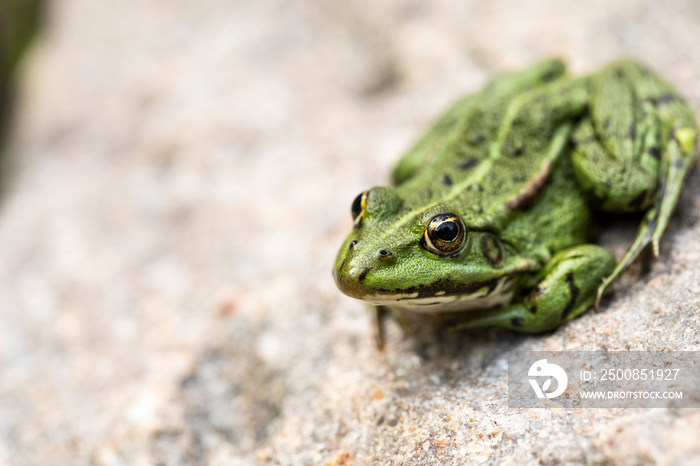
523 164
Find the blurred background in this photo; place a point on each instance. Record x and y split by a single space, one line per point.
176 179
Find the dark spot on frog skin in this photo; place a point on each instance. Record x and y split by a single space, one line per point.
516 321
363 274
551 74
631 132
662 99
475 139
654 152
677 164
619 74
468 163
446 180
532 309
574 291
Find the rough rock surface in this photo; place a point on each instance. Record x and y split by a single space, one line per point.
182 174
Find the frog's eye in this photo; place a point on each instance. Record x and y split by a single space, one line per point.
444 235
358 207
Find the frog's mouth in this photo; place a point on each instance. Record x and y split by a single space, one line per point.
481 295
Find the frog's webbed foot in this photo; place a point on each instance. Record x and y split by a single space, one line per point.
567 287
633 150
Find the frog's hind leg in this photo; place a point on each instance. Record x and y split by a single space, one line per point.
566 288
633 150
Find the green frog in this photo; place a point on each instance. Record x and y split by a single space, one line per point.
489 214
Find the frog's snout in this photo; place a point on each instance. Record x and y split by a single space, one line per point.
349 276
357 265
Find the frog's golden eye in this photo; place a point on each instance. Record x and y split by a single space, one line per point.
444 235
358 207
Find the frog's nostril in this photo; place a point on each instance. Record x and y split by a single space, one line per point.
352 244
383 253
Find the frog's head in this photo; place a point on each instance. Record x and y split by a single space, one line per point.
424 257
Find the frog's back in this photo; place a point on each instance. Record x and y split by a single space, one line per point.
494 152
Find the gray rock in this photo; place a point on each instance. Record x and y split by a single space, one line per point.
183 173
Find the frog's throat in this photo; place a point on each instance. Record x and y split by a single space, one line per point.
496 292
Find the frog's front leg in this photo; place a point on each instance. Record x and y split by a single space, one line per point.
378 317
379 314
566 287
